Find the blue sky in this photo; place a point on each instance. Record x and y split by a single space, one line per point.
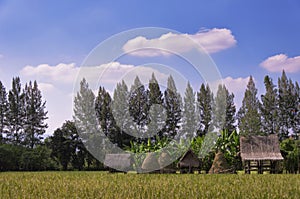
62 33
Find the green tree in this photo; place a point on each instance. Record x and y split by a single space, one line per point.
35 115
84 112
224 110
156 112
287 100
120 110
63 144
105 116
173 104
3 112
189 120
269 108
204 106
248 116
16 113
139 106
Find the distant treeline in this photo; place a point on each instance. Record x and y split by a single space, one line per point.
23 114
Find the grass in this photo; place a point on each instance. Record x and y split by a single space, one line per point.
104 185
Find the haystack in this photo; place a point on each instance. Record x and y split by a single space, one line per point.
150 163
220 165
165 163
121 162
164 159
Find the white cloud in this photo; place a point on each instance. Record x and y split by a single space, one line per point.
57 84
212 40
237 86
280 62
62 73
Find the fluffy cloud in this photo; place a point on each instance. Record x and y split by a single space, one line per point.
212 40
234 85
62 73
237 85
57 84
280 62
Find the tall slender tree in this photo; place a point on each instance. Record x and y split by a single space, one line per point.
284 105
3 112
288 96
85 117
139 106
35 115
269 108
156 112
105 116
204 106
224 110
120 110
173 104
16 113
189 121
248 116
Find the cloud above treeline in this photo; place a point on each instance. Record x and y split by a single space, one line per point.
212 40
280 62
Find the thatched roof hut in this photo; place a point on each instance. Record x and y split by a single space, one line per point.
121 162
189 160
257 148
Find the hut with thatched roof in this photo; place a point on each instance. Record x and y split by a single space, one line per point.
118 162
260 153
189 161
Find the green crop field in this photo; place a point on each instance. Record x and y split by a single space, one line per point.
104 185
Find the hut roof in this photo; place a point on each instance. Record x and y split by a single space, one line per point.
260 148
118 161
189 159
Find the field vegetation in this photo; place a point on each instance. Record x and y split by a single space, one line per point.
119 185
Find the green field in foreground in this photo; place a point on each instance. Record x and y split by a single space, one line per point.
104 185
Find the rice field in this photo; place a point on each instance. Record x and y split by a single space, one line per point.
105 185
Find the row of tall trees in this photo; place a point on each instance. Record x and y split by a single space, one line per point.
278 112
140 113
143 112
22 114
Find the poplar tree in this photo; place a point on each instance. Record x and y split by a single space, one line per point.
288 100
16 113
224 110
120 110
156 111
189 120
85 117
269 108
172 103
35 115
139 107
204 106
249 120
105 116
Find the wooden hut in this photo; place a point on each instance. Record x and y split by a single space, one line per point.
120 162
189 161
260 153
